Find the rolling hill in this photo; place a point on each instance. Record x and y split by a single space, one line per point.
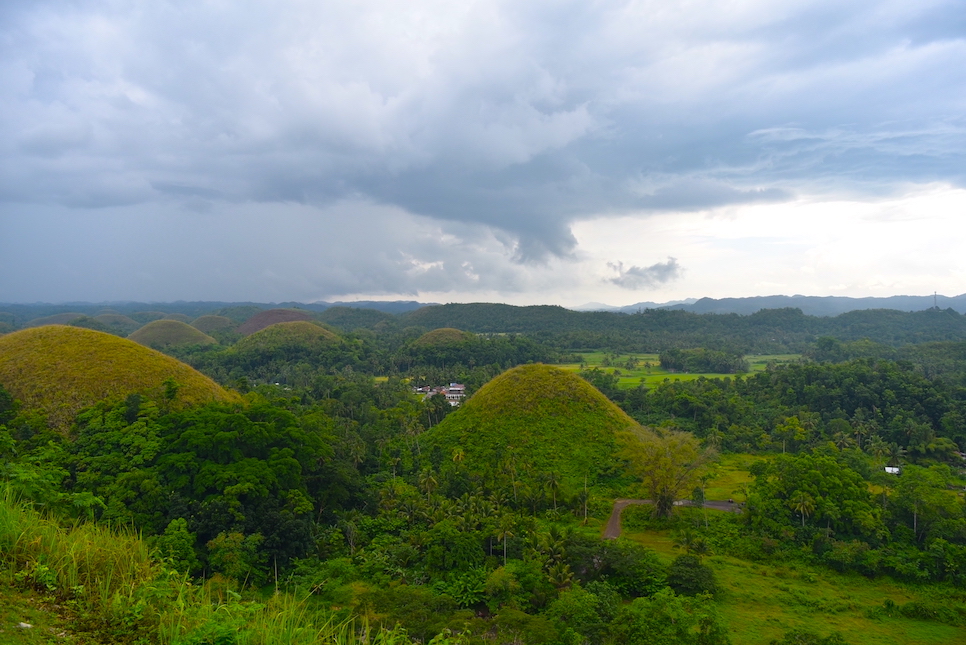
541 419
263 319
170 333
56 319
442 337
299 336
208 324
60 370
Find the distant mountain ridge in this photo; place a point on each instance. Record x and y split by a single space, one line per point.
810 305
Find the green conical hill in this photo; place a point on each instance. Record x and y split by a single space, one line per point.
170 333
442 336
180 317
300 335
539 419
263 319
60 370
208 324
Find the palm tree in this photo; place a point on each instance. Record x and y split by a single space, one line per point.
553 483
458 455
505 531
896 453
560 575
684 540
427 482
804 504
877 447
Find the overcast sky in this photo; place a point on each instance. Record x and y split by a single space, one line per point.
523 152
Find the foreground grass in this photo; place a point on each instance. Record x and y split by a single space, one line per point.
90 583
18 606
760 602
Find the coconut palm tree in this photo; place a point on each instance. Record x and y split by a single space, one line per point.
505 532
804 504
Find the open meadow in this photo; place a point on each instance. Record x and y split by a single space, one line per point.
761 601
634 369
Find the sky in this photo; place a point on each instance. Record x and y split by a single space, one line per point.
528 152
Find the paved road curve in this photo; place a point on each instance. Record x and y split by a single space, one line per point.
613 529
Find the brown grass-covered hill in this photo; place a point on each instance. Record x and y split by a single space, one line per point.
306 337
538 419
60 370
118 321
263 319
144 317
170 333
443 336
208 324
180 317
56 319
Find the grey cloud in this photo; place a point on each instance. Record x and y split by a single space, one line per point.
636 277
520 117
247 251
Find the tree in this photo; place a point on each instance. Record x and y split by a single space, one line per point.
668 461
804 504
505 532
688 577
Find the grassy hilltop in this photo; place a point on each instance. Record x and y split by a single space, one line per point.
263 319
541 418
443 336
212 323
167 333
60 370
299 335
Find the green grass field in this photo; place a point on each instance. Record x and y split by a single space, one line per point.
760 602
648 368
729 475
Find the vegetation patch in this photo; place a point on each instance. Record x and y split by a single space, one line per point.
90 366
181 317
167 333
263 319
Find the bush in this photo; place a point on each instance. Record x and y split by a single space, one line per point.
688 577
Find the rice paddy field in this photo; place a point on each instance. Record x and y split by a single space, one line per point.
634 369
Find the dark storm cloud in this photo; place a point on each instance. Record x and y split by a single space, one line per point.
646 277
522 117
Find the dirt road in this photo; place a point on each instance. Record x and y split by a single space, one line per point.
613 529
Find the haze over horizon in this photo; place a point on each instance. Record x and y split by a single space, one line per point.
519 152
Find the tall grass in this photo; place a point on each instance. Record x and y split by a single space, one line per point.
115 591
